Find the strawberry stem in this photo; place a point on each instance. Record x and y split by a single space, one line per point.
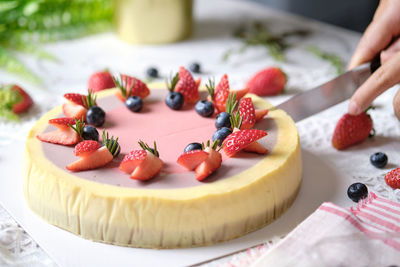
369 108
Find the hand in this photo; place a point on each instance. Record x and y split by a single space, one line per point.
379 36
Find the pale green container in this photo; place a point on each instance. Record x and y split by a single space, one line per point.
153 21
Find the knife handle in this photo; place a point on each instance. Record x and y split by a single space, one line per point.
375 63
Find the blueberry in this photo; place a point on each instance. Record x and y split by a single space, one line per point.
379 159
174 100
192 146
221 134
152 72
204 108
134 103
110 144
223 120
357 191
195 67
95 116
90 133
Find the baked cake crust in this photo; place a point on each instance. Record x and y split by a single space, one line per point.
166 218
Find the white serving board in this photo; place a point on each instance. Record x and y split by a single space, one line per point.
321 182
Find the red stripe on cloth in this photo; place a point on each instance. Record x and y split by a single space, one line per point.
382 213
392 203
358 225
379 221
397 212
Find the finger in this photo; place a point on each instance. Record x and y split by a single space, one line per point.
374 40
396 104
382 79
390 51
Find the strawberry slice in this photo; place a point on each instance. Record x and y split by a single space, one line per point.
93 160
191 159
142 164
25 103
64 135
75 98
73 110
62 123
240 93
130 86
260 114
247 112
86 148
132 160
240 139
256 147
148 168
75 106
187 86
209 165
221 94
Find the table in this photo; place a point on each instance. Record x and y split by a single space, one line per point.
212 37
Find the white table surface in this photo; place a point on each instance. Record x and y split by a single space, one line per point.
214 22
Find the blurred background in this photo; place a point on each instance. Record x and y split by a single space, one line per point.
354 15
27 26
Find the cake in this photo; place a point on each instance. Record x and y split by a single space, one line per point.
172 210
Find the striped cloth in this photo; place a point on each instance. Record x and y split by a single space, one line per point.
365 235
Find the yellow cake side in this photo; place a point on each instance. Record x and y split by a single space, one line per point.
150 218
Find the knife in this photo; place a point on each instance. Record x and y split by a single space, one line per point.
330 93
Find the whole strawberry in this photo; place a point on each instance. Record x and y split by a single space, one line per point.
13 101
267 82
100 80
392 178
351 130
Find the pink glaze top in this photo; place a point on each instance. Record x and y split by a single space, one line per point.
172 130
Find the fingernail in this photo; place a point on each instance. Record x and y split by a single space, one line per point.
354 109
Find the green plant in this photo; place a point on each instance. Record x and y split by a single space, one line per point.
26 23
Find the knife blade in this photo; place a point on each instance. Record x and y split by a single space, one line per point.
328 94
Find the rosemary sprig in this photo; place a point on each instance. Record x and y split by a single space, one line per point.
259 35
89 100
236 120
172 81
212 145
79 125
211 88
231 103
146 147
332 58
122 85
